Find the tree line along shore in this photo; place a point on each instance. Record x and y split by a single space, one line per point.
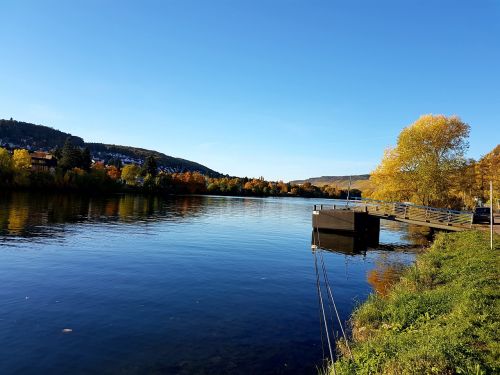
72 169
428 166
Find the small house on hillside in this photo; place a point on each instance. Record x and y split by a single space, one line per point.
42 161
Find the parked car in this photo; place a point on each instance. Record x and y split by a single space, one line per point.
481 214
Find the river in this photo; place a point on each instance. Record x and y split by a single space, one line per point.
180 285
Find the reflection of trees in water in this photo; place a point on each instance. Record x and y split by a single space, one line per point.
413 234
385 274
389 261
18 215
388 269
394 226
27 214
419 235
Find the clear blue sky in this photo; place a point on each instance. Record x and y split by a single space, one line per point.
283 89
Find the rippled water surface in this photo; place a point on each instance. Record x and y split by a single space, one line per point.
183 285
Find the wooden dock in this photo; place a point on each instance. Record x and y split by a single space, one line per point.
346 216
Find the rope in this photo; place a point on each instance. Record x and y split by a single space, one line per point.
327 282
318 285
319 313
331 300
319 302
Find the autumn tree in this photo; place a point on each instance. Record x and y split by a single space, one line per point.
464 189
488 169
5 161
130 172
421 167
113 172
5 167
21 160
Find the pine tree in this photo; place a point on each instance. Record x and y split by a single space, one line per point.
150 166
70 156
85 159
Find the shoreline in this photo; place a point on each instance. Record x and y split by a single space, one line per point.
441 317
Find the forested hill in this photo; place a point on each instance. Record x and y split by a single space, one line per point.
134 153
18 134
24 134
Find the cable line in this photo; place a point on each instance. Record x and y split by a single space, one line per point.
327 283
318 285
330 301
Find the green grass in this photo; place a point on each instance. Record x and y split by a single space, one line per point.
441 318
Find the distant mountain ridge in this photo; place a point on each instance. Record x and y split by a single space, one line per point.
361 181
40 137
326 180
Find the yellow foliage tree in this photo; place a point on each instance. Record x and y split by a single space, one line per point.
21 160
130 172
488 169
421 166
5 160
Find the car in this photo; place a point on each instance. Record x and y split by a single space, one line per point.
481 214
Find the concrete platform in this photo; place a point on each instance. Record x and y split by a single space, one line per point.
346 220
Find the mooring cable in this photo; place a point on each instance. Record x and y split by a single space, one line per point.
330 301
319 302
330 294
327 283
320 317
318 285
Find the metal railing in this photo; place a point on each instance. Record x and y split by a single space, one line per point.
405 211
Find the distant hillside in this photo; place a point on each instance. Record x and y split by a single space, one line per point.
137 155
15 134
24 134
360 182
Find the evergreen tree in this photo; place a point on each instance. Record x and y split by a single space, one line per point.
85 159
150 166
70 156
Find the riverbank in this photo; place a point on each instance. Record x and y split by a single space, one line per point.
441 318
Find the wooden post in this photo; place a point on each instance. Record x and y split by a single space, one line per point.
349 190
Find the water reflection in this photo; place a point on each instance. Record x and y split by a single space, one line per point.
28 215
386 273
388 267
352 243
414 235
342 242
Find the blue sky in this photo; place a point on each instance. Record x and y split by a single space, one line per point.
280 89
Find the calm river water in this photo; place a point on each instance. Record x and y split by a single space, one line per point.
183 285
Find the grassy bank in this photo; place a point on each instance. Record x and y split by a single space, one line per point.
441 318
